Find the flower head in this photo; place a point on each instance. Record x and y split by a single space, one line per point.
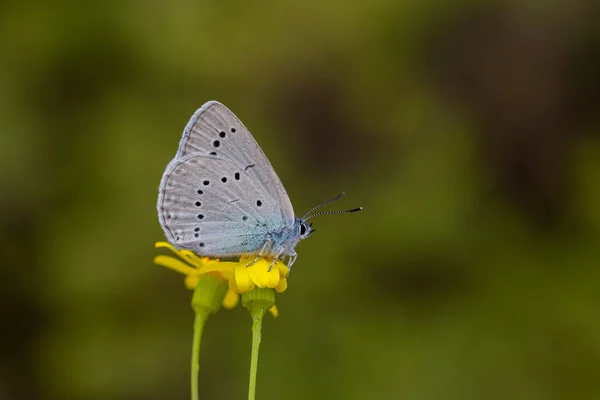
240 277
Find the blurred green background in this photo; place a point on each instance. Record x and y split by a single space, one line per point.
469 132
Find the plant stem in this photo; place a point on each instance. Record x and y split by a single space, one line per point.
257 301
208 295
199 322
256 336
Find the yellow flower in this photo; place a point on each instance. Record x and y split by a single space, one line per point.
241 278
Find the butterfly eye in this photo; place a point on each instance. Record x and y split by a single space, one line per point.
302 229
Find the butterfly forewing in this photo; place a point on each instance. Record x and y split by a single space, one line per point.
216 132
220 195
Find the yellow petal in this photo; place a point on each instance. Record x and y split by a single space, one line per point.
283 269
274 311
185 255
208 260
159 245
242 279
231 299
174 264
227 273
259 273
282 285
190 257
233 286
191 281
225 268
273 277
261 276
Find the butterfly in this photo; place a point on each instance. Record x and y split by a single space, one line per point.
221 197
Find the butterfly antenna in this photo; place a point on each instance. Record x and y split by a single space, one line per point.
336 198
333 212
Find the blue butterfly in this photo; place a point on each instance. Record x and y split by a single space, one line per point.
221 197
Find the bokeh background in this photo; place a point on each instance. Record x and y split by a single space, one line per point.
469 132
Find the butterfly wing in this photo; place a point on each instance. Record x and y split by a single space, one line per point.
215 131
213 207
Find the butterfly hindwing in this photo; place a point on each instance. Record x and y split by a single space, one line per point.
213 207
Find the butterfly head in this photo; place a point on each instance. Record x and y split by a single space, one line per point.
303 228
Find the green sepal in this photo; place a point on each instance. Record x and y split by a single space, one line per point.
258 300
209 294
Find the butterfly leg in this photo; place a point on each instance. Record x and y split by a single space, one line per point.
279 253
260 253
293 255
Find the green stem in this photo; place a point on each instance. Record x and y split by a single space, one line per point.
199 322
256 336
257 301
208 295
